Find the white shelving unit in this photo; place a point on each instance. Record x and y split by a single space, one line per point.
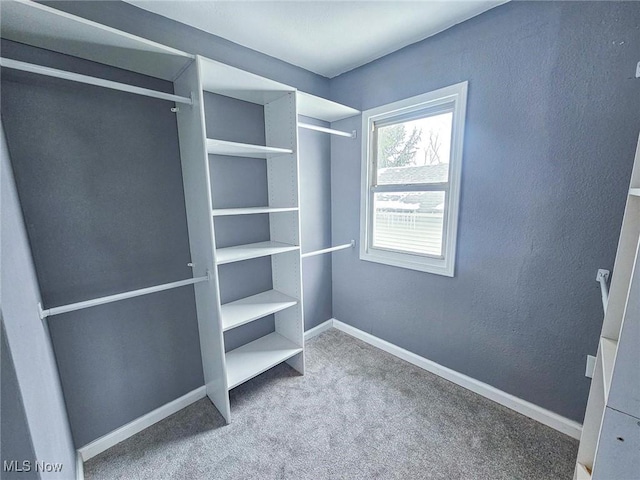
610 439
284 300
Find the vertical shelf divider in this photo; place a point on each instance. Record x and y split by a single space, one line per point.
197 191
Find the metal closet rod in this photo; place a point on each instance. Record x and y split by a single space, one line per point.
99 82
119 296
310 126
329 250
602 277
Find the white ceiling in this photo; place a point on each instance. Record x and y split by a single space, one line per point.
325 37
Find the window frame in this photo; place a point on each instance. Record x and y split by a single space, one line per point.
451 98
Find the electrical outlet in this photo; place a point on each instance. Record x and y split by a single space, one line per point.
591 365
638 70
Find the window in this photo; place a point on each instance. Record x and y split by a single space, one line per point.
411 159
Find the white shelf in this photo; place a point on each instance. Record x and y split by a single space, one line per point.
257 357
235 149
634 191
46 27
252 250
608 353
221 212
582 473
254 307
323 109
235 83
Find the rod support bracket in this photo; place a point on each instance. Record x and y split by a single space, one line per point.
354 134
602 275
353 242
43 313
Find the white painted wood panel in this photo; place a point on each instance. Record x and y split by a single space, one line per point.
221 212
252 250
618 449
254 307
235 149
233 82
257 357
323 109
608 355
45 27
197 190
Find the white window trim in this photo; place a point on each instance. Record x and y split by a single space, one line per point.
456 94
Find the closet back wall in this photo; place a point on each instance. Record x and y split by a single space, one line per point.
99 180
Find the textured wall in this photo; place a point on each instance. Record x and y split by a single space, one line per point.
99 180
31 392
315 216
552 122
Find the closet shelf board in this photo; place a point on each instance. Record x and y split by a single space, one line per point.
323 109
608 353
257 357
252 250
254 307
235 149
46 27
235 83
221 212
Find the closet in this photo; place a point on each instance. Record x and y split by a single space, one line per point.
240 161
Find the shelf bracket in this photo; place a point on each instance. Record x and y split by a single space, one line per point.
601 277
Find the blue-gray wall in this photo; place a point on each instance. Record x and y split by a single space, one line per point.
315 216
99 179
552 122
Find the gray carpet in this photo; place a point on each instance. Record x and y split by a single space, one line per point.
358 413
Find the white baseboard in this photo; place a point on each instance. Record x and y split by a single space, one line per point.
79 466
528 409
318 329
107 441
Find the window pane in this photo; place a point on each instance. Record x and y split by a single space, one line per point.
415 151
409 222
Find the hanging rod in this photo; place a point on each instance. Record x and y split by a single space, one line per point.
119 296
100 82
602 277
329 250
310 126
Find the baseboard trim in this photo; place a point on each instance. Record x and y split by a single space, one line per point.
107 441
528 409
79 466
318 329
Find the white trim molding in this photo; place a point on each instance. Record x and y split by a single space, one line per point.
318 329
107 441
528 409
79 466
450 99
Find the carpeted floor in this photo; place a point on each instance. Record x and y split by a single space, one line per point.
358 413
